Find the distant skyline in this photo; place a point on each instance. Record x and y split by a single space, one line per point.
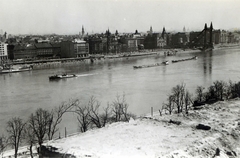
68 16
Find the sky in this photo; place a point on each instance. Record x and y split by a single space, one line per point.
96 16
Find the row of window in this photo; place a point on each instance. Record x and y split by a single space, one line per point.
42 53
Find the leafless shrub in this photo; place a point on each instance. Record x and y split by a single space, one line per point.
179 98
220 89
120 109
105 116
233 90
170 105
200 93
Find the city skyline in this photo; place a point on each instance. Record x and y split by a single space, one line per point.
68 17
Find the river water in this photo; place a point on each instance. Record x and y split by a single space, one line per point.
22 93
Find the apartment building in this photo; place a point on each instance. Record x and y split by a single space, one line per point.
3 52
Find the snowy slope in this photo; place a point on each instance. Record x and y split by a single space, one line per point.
155 137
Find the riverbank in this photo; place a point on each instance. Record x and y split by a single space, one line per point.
121 55
163 136
38 64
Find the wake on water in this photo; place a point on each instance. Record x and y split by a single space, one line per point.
83 75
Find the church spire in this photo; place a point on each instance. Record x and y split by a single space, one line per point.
83 32
163 32
211 26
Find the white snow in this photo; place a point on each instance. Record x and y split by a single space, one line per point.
155 137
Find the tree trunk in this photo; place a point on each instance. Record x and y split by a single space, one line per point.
30 149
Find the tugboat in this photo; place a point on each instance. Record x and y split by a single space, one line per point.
63 76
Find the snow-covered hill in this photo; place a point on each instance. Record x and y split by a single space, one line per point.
156 137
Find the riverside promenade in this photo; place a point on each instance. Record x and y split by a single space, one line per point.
91 57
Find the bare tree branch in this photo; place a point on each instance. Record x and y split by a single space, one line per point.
57 114
15 127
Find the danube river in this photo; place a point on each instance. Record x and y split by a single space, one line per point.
22 93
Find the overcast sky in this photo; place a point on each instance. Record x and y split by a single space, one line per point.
68 16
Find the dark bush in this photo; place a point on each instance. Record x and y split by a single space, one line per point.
203 127
175 122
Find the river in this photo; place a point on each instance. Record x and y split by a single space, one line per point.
22 93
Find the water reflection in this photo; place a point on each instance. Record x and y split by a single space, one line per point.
207 63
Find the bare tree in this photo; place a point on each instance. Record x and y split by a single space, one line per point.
233 90
177 96
105 115
15 127
187 101
119 109
229 88
199 92
220 89
170 105
161 110
39 122
30 137
3 144
97 119
83 117
56 116
94 112
211 94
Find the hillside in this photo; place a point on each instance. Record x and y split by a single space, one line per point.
155 137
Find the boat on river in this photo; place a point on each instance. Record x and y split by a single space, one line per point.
151 65
193 58
14 70
63 76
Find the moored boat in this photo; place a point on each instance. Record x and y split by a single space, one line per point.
193 58
165 62
14 70
152 65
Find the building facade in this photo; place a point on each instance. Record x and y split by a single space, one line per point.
74 49
81 48
151 41
44 50
3 53
95 45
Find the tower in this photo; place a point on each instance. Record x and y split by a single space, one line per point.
163 33
5 35
151 31
83 32
211 41
205 36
